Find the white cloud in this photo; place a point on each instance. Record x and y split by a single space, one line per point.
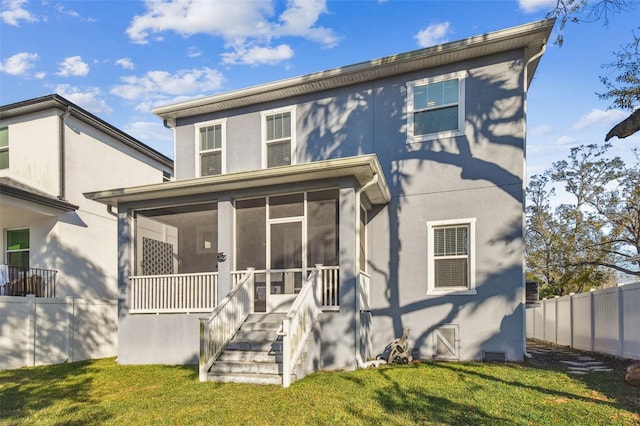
300 18
60 8
194 52
159 85
433 34
13 11
89 99
125 63
148 131
19 64
73 66
566 140
541 130
259 55
531 6
244 26
600 118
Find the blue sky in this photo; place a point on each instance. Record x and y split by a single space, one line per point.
119 58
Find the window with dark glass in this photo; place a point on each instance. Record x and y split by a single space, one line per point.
211 150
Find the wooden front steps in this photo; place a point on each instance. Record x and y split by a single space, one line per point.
254 354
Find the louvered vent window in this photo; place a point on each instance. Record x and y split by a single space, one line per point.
211 150
451 256
278 138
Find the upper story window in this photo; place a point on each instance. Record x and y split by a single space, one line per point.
279 137
211 139
4 148
435 107
451 256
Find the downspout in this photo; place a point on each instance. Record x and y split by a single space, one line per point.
110 210
543 49
62 162
359 361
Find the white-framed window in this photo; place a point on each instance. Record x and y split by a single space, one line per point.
17 247
210 137
451 256
4 148
279 136
435 107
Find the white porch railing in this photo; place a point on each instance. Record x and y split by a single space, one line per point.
217 329
329 275
298 324
179 293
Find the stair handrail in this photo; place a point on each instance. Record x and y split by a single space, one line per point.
217 329
299 322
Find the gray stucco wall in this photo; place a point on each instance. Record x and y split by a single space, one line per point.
478 175
159 339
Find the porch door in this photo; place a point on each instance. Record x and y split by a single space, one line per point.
286 263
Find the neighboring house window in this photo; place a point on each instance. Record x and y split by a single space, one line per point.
18 247
279 137
166 176
435 108
451 256
210 138
4 148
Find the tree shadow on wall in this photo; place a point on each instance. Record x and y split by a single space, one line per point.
489 155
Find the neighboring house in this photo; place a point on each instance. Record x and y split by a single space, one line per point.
401 177
55 242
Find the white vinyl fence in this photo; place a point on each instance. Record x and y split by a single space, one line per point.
606 321
43 331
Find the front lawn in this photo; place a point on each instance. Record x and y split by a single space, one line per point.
102 392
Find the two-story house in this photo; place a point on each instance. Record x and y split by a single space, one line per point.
323 215
55 242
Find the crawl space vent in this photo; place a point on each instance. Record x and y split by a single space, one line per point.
495 357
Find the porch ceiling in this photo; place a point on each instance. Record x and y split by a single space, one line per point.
362 168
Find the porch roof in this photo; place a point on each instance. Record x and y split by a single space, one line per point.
19 190
362 168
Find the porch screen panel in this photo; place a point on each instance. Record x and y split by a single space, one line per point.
286 206
322 228
286 245
251 244
188 235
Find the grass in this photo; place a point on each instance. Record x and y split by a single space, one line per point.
103 392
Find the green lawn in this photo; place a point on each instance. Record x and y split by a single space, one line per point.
102 392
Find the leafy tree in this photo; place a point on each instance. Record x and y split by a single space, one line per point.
624 89
581 243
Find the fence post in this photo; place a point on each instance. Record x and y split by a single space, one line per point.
70 328
571 319
592 306
620 322
31 330
555 306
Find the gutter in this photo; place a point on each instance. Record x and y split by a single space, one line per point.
358 357
61 146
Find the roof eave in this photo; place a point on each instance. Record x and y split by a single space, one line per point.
55 101
37 198
529 36
362 168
